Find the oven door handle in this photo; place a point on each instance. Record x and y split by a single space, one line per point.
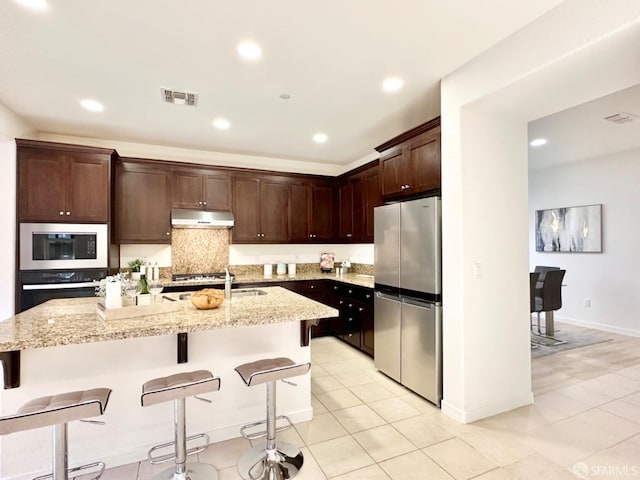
60 286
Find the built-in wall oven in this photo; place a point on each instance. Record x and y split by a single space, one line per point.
60 260
37 286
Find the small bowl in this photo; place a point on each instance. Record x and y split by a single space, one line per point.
207 298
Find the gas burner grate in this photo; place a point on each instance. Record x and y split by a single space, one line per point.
199 277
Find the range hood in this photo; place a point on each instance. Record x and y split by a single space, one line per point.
185 218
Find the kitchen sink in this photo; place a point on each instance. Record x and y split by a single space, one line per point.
247 293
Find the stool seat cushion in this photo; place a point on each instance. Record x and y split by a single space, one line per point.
177 386
270 369
56 409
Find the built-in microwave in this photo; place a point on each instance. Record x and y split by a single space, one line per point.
48 246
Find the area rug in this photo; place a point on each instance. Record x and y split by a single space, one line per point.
574 339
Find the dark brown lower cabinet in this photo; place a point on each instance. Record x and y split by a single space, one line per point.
317 290
355 304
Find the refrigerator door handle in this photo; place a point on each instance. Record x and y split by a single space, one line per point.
418 303
385 296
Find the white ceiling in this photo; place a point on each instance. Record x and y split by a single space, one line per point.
330 56
581 132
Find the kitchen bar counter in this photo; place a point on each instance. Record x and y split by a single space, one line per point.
66 347
349 278
73 321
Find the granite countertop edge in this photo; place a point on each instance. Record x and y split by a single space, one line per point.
75 320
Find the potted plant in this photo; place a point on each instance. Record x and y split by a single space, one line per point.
135 265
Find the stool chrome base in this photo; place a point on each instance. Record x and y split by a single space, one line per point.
194 471
260 463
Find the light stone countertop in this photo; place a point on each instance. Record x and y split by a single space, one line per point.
348 278
74 320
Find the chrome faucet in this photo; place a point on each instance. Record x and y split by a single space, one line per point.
227 284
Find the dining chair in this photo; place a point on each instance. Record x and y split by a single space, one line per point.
542 270
549 299
533 282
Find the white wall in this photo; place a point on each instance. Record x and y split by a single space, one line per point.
609 280
258 254
7 223
559 60
11 126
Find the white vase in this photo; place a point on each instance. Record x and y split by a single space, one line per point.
113 295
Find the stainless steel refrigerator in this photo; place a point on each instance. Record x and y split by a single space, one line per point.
408 308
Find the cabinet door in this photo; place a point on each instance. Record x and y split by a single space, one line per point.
186 191
216 191
322 213
246 209
392 166
143 195
274 203
346 211
88 188
42 184
424 162
372 200
358 209
299 201
366 318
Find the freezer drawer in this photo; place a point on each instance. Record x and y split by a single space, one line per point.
421 360
386 333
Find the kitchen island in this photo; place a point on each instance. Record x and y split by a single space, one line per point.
65 346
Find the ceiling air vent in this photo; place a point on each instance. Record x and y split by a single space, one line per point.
621 117
179 98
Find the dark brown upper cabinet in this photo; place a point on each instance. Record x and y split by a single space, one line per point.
63 183
322 212
359 193
260 207
311 211
410 162
143 202
203 189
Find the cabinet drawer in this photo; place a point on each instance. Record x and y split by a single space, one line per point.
358 293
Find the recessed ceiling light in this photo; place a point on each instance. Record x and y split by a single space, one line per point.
250 50
320 137
392 84
285 96
34 4
538 142
221 123
91 105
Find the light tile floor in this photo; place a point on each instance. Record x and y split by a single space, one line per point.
585 423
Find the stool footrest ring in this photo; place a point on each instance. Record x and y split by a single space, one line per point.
170 456
99 465
263 433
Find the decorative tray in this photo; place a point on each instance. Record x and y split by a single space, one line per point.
166 305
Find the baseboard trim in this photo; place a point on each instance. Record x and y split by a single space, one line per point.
598 326
468 416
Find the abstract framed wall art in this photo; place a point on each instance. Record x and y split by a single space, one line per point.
570 229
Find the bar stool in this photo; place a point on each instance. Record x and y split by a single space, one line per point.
57 411
177 387
281 461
